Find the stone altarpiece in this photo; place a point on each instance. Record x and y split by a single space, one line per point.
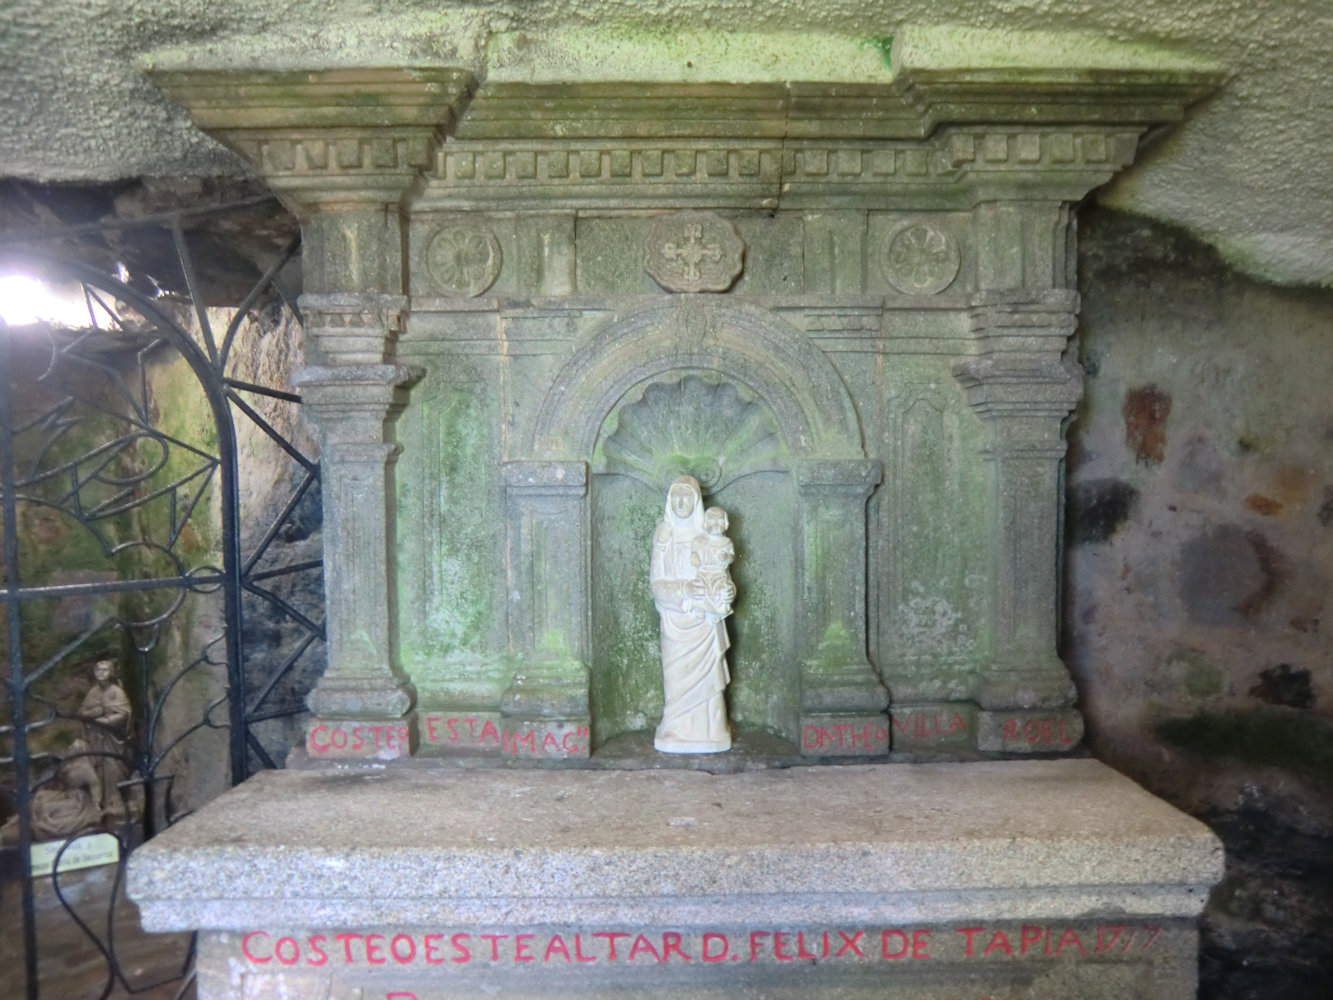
842 298
844 304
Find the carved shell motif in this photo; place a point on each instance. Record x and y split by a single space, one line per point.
694 426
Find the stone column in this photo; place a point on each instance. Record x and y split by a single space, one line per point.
842 698
360 699
1024 389
342 149
545 708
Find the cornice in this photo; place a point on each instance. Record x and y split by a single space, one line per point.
322 136
619 127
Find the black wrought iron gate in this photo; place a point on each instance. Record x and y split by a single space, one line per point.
162 593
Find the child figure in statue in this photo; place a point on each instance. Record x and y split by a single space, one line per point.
693 630
712 554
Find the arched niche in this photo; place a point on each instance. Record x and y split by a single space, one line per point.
731 393
697 423
741 342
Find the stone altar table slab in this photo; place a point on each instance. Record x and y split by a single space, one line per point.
1024 879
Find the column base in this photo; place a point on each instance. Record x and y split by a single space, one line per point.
1009 687
364 738
379 696
841 688
548 689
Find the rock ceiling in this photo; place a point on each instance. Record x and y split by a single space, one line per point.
1250 171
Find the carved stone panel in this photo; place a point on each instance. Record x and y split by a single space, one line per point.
693 252
891 224
920 258
463 259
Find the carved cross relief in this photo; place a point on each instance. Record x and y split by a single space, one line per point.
693 252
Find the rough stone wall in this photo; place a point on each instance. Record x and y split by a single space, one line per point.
55 549
1199 558
76 106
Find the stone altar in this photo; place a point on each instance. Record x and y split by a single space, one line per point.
829 279
1029 879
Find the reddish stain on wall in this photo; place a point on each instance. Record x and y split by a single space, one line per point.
1261 504
1145 411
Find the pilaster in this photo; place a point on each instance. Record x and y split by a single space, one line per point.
546 534
1024 389
342 148
352 407
839 687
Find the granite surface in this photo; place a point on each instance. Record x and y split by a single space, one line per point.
932 841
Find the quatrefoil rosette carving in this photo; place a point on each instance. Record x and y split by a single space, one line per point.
463 259
920 258
693 252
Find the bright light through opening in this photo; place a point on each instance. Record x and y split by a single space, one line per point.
22 299
25 300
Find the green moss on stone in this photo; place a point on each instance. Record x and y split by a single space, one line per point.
939 46
884 46
1262 737
1200 677
657 53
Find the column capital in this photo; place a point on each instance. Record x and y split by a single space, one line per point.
326 138
1023 321
1042 387
355 380
853 476
353 328
353 403
545 478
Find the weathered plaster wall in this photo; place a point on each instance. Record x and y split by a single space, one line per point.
1200 577
1248 173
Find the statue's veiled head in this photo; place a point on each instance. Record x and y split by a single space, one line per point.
684 505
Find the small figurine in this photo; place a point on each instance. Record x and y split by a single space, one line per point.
106 728
712 554
69 804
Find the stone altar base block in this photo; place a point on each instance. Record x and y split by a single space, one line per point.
845 735
1042 731
361 738
1023 880
492 734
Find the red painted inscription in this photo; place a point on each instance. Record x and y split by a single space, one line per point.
929 725
846 738
485 734
1044 732
333 740
580 948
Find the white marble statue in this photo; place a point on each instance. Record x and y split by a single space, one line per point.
693 591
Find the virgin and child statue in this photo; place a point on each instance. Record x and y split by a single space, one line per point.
693 590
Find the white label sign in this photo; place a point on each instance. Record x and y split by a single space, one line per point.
83 852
